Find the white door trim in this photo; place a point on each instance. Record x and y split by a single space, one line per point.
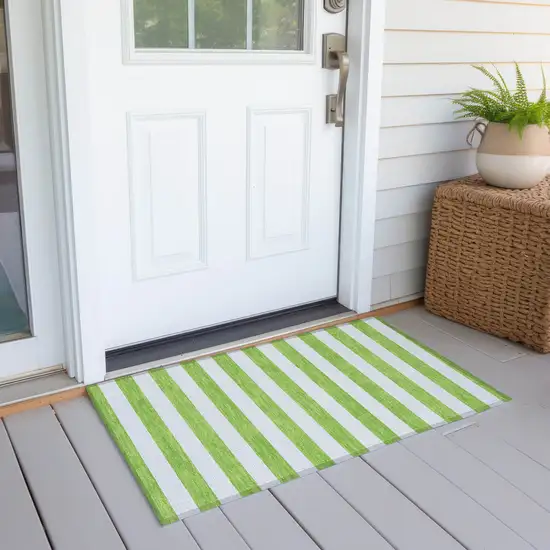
77 203
360 159
74 190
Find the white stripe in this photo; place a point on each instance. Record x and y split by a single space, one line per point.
212 474
289 406
347 420
351 388
225 430
267 428
437 391
435 363
164 474
383 381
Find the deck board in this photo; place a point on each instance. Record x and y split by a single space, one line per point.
527 428
70 509
213 531
400 521
525 379
479 483
115 484
265 525
460 515
20 526
519 469
319 509
490 490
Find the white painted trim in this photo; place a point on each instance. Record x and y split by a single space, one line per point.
64 219
184 56
216 57
191 18
249 24
85 353
71 137
360 161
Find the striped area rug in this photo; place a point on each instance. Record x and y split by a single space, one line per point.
200 434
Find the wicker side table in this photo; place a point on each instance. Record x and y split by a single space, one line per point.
489 260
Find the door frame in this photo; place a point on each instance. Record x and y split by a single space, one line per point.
43 349
77 204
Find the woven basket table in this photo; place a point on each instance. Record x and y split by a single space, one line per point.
489 259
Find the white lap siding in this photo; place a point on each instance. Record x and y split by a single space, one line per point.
429 48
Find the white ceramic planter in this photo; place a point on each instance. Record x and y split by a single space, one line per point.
505 159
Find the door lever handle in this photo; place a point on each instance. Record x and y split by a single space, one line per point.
343 61
336 58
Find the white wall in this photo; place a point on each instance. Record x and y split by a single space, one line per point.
429 48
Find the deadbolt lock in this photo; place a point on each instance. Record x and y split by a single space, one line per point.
335 6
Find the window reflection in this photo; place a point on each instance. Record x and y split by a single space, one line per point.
277 24
14 321
219 24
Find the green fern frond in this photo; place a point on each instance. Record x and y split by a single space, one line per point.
521 98
506 93
503 106
543 96
502 88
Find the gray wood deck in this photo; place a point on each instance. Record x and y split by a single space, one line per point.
481 483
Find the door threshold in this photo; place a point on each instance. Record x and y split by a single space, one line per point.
43 388
346 316
30 375
223 338
37 386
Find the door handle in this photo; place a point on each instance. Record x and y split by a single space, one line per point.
335 57
336 113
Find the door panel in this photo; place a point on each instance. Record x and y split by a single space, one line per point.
278 181
168 193
219 178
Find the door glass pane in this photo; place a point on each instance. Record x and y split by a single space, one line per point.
278 24
161 23
14 319
219 24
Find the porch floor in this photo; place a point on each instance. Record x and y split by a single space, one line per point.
482 483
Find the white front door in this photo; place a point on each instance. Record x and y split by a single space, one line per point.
218 175
31 333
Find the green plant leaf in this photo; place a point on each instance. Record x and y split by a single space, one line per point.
543 95
501 105
520 97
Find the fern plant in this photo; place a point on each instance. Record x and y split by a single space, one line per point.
503 105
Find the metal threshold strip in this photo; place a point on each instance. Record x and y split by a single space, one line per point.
144 354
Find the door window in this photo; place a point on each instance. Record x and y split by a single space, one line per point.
263 25
14 318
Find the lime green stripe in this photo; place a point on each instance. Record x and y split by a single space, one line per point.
371 422
220 452
393 374
162 508
449 363
303 442
365 383
259 443
310 406
184 468
429 372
